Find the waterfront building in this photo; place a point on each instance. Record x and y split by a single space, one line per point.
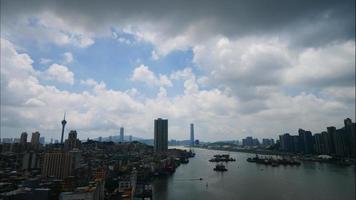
305 141
160 135
319 143
285 142
350 139
191 134
339 137
122 134
248 141
330 132
267 142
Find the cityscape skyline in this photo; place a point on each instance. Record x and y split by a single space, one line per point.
246 140
177 99
231 68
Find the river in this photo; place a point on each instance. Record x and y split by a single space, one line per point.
249 181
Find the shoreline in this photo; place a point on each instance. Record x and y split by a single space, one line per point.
307 158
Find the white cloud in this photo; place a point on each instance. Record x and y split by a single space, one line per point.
68 57
249 61
331 65
154 55
262 79
46 27
59 73
45 61
143 74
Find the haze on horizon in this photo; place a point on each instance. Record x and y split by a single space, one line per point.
233 68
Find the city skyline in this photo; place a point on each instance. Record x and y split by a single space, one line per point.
190 138
233 69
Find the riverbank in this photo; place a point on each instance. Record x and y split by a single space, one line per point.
311 158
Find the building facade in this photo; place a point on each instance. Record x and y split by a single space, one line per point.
160 135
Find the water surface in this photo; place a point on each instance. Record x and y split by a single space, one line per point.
249 181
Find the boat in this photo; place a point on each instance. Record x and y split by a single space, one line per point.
184 160
222 158
220 168
274 162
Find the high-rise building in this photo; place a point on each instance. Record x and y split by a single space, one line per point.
30 161
248 141
285 142
267 142
42 140
319 143
121 134
191 134
160 135
339 140
330 132
72 141
130 138
64 122
350 139
23 139
295 147
305 141
58 165
35 139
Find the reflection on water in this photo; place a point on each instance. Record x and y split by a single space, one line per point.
250 181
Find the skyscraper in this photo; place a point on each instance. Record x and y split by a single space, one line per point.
121 134
160 135
58 165
330 132
64 122
191 134
23 139
42 140
72 141
35 139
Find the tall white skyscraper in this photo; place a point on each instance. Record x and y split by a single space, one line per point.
192 134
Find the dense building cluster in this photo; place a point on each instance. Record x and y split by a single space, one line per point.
85 170
335 142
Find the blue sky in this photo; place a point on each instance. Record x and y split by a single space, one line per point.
247 71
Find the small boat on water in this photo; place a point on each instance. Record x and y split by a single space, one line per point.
220 168
273 162
222 158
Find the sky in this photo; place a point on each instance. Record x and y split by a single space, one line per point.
233 68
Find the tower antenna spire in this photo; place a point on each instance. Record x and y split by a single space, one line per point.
64 122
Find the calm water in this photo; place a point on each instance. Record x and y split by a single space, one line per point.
248 181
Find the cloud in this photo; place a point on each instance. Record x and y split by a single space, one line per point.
68 57
99 110
45 61
59 73
333 65
185 23
252 61
143 74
